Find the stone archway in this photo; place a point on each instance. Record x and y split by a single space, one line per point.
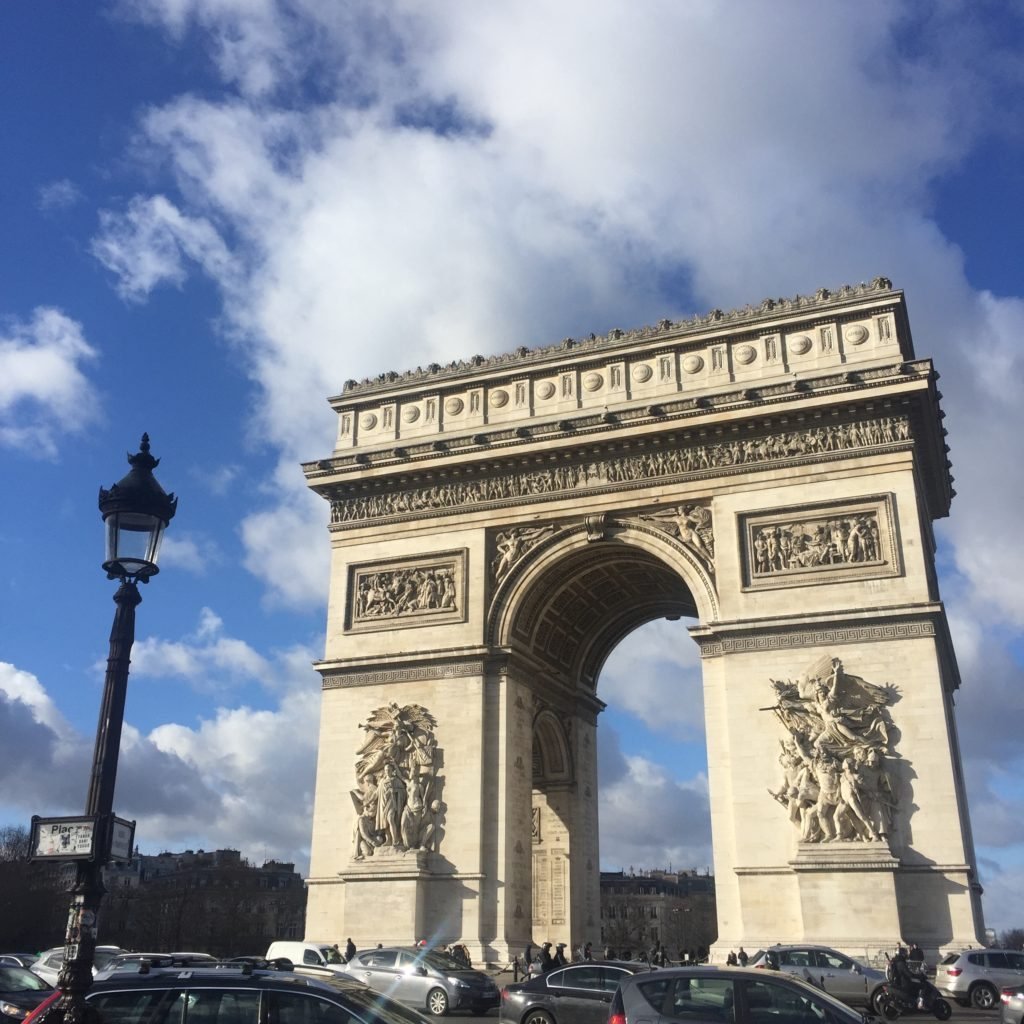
499 525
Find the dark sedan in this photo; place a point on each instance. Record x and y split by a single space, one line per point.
21 991
579 993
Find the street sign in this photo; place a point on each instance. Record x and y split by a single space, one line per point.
122 839
69 838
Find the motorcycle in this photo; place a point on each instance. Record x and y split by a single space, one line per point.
893 1003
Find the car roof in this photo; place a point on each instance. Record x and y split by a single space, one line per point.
220 974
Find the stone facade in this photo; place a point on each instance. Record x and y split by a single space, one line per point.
498 525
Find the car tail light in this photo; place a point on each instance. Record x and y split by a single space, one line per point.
954 972
504 994
617 1018
1007 994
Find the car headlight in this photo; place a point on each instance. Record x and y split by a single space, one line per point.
458 983
12 1011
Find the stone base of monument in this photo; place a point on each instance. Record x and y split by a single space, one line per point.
848 883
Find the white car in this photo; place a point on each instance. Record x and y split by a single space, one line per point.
856 984
50 962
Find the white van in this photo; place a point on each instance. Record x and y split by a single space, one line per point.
316 954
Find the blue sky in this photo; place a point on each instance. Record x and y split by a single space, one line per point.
214 212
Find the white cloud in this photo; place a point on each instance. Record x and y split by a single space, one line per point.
191 553
43 390
214 662
58 195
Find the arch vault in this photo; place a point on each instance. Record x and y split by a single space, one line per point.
498 525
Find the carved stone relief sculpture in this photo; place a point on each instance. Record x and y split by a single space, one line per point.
398 790
683 460
511 545
838 758
691 524
390 595
845 540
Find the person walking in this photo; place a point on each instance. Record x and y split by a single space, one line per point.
350 949
547 961
742 957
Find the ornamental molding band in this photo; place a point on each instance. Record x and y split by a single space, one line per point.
339 679
397 798
810 544
838 760
407 592
784 639
679 461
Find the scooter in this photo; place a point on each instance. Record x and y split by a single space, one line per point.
893 1003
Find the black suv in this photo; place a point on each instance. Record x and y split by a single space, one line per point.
233 993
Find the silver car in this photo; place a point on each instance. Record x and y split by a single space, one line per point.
52 960
976 976
840 975
425 978
724 995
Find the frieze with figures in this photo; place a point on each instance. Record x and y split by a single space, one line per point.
397 797
675 461
386 596
838 758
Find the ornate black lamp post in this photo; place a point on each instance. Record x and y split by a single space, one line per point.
135 510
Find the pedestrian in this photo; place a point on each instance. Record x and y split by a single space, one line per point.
560 960
546 959
609 953
742 957
730 960
916 954
350 949
588 952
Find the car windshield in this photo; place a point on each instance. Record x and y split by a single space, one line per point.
439 961
950 958
18 979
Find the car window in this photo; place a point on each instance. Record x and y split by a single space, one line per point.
20 979
654 992
950 958
836 961
796 958
610 978
303 1008
770 1003
998 960
1016 961
380 958
217 1006
691 998
588 977
135 1007
978 959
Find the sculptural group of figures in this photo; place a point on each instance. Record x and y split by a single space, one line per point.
624 469
398 794
838 541
405 591
836 762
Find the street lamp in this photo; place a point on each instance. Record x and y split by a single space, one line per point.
135 511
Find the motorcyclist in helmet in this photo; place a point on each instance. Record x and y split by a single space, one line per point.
904 980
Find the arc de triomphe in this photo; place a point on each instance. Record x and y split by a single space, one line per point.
499 524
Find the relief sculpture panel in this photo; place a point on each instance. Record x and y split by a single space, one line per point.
838 757
691 524
787 547
398 789
412 592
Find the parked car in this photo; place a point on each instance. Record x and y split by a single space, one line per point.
131 961
52 960
855 983
21 991
425 978
724 995
239 994
976 976
579 993
18 959
1012 1008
